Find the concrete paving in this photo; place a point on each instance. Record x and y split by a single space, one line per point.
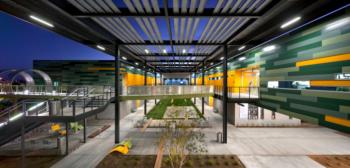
256 147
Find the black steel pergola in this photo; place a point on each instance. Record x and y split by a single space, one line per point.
168 35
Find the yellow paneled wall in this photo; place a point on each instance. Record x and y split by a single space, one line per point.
132 79
235 78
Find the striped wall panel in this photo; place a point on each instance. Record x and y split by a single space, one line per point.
90 72
315 54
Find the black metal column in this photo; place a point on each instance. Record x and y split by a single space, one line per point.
117 83
145 83
224 97
155 84
23 154
67 139
203 85
84 133
195 83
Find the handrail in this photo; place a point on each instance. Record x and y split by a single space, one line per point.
168 90
49 90
240 92
23 109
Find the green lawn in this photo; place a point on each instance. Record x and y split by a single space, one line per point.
158 111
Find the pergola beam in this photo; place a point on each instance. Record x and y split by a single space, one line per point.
161 61
174 55
174 65
207 13
169 42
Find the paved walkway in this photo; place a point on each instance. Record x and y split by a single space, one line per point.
91 153
256 147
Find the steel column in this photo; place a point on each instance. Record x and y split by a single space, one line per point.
116 99
145 83
224 97
84 124
195 83
23 143
155 84
203 84
67 140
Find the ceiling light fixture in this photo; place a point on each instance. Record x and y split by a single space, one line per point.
184 51
290 22
41 21
222 58
137 63
338 23
241 58
101 48
146 51
241 48
269 48
164 51
124 58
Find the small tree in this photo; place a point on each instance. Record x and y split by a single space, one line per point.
182 140
75 126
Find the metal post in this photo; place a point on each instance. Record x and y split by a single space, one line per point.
23 143
224 97
145 83
203 85
61 107
73 108
155 84
116 99
67 147
49 105
195 83
84 105
84 124
92 103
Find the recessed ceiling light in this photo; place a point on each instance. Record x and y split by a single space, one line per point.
241 58
241 48
46 23
184 51
222 58
284 25
338 23
101 48
146 51
164 51
137 63
212 63
124 58
269 48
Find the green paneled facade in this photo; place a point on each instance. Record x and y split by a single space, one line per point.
84 72
280 65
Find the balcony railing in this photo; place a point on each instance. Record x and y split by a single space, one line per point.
239 92
63 107
168 90
45 90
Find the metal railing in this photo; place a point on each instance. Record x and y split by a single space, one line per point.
62 107
167 90
239 92
23 108
47 90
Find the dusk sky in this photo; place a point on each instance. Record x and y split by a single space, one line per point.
22 42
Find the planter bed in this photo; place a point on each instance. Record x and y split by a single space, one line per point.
147 161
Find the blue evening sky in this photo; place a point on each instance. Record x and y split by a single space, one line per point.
22 42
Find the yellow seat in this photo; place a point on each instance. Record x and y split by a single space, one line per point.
123 149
